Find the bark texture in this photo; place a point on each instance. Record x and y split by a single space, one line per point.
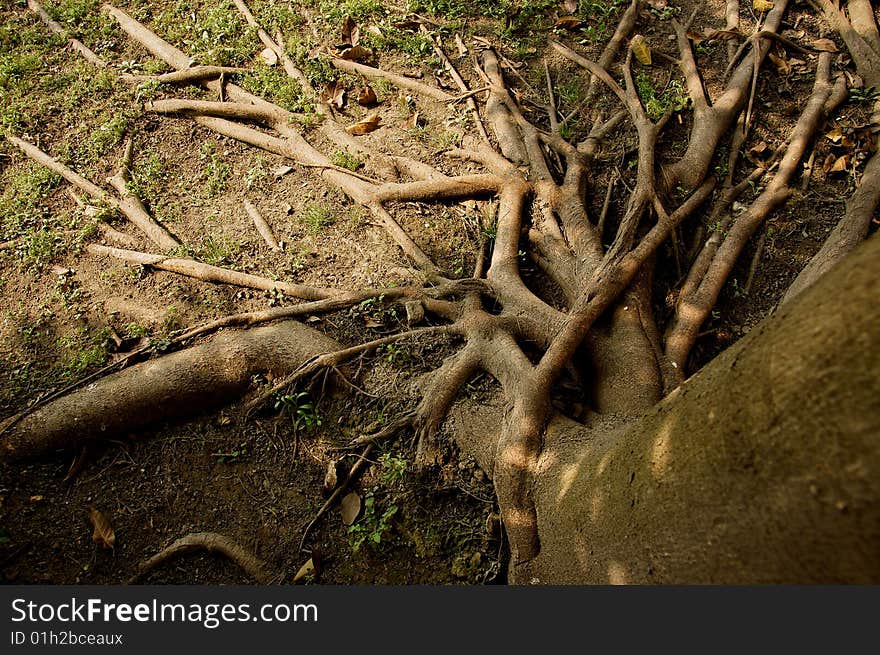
762 468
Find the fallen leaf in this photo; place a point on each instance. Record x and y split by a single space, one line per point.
351 507
835 135
35 499
365 126
103 534
367 97
570 23
782 66
841 165
462 48
330 477
350 32
268 55
760 150
305 570
334 94
825 45
762 5
570 6
356 53
641 50
374 29
281 171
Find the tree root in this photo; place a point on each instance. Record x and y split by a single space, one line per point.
213 543
209 273
172 386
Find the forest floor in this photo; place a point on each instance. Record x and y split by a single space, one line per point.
258 479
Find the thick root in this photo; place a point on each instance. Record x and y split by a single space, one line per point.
174 386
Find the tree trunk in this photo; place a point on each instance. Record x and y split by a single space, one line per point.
762 468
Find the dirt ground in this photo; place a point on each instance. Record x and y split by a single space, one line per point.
258 479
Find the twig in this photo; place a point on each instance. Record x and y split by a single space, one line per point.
262 226
355 469
213 543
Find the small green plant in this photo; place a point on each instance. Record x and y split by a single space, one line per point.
216 173
236 454
316 217
301 410
673 97
219 250
345 159
863 94
393 469
374 527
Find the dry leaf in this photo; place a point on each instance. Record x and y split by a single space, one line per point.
357 53
281 171
782 66
720 35
35 499
268 55
330 477
408 24
841 165
374 29
351 507
570 6
305 570
367 97
103 534
570 23
762 5
641 50
365 126
350 32
760 150
824 45
334 93
835 135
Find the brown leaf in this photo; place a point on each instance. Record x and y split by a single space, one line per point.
641 50
825 45
570 6
835 135
334 93
356 53
841 165
351 507
367 97
305 570
330 477
350 32
570 23
103 534
782 65
365 126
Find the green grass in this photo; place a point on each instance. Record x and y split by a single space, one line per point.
315 217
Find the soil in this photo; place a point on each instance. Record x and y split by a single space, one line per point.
258 479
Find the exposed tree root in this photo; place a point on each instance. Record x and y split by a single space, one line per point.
600 341
213 543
